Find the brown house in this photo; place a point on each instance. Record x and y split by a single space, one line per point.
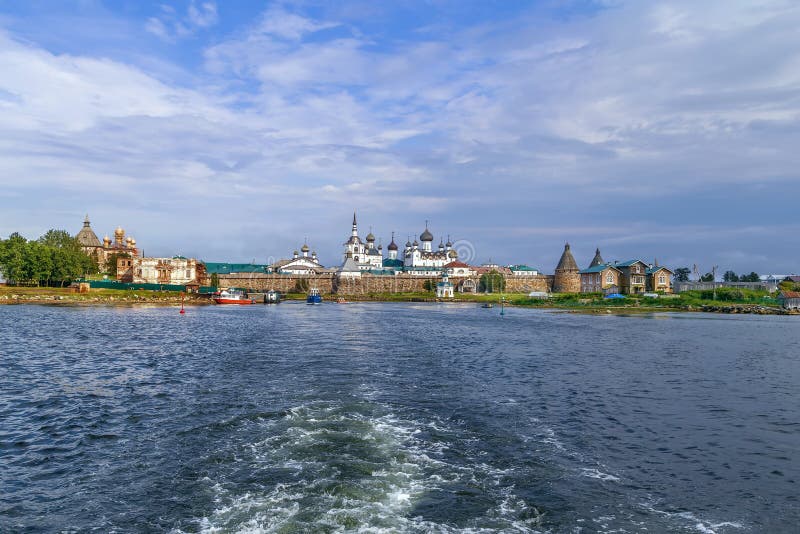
633 279
659 279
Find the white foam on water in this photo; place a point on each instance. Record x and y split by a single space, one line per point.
399 467
692 521
595 473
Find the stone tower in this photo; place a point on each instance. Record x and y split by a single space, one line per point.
567 278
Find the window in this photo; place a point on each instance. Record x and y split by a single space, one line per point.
610 277
662 279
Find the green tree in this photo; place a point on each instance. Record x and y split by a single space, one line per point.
752 277
111 263
59 239
12 258
492 282
730 276
708 277
214 280
38 263
682 274
429 285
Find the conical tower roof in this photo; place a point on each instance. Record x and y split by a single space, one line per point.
86 237
567 261
598 259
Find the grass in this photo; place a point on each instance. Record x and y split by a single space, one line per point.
588 302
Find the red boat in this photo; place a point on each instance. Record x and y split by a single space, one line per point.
232 296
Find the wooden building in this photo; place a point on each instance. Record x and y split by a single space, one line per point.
659 279
789 300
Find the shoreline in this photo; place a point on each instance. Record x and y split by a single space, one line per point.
127 298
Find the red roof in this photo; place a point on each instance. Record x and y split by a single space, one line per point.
456 264
790 294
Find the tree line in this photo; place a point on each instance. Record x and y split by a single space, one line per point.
682 275
55 258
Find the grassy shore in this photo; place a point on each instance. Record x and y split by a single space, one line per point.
740 301
66 296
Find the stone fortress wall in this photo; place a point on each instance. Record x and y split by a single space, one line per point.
367 283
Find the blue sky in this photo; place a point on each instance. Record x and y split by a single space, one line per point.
235 130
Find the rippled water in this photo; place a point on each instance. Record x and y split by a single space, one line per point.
396 418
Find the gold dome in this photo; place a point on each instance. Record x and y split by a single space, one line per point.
119 232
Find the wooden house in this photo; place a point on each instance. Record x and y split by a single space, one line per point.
789 300
634 276
659 279
600 278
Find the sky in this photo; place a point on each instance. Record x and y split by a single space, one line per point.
237 130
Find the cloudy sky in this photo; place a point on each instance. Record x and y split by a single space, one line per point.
231 131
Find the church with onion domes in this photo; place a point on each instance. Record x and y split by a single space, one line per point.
101 252
415 257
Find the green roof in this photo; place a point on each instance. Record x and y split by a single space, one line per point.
598 268
228 268
627 263
521 268
657 268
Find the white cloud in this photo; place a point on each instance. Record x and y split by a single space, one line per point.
556 124
170 26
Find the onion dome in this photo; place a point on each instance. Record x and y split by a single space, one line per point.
119 232
305 248
441 245
567 261
408 244
426 235
453 254
106 239
392 245
598 259
415 243
448 244
370 238
133 242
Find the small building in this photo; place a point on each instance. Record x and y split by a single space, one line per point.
789 300
523 270
458 269
173 271
444 289
659 279
298 265
349 269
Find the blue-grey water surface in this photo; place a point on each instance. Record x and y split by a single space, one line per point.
396 418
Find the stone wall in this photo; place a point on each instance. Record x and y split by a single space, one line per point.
367 283
277 282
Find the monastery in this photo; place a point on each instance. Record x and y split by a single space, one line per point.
364 268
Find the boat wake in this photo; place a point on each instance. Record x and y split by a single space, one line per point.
335 467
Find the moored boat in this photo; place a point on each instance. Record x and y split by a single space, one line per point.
314 296
232 296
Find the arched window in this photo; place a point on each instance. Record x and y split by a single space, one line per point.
610 277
